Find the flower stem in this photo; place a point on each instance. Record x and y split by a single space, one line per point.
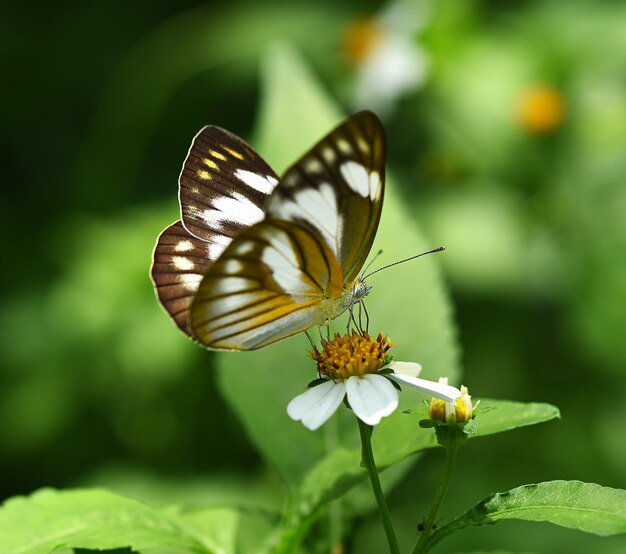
368 461
421 546
335 509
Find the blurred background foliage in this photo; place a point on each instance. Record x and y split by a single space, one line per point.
506 125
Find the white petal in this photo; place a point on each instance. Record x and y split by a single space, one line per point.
371 397
440 390
412 369
317 404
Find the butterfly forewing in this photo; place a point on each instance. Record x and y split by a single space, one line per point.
224 185
273 281
337 189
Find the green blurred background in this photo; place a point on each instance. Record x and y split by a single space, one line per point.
506 125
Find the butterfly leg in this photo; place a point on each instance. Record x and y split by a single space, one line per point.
352 319
367 316
310 340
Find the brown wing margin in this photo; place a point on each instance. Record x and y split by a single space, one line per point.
270 283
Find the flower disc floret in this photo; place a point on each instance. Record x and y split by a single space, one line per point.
459 411
351 355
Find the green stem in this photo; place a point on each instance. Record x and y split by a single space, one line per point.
422 546
335 516
368 461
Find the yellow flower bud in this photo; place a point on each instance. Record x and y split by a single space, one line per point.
460 411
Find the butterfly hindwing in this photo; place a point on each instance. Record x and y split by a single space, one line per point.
272 281
337 188
179 262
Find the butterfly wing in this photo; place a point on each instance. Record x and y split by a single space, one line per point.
337 190
274 280
223 188
178 265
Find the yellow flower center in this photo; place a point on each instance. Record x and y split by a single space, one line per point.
360 37
351 354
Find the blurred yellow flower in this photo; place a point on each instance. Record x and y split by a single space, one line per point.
359 39
540 109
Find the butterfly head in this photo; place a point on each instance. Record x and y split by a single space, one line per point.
357 292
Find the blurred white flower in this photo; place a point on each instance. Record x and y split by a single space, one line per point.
390 61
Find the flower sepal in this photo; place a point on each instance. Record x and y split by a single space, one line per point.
454 435
316 382
386 371
451 434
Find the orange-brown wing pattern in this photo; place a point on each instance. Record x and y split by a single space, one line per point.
274 280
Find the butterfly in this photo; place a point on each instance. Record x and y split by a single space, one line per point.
255 258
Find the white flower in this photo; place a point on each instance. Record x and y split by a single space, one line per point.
371 396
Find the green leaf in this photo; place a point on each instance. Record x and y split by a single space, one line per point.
50 520
496 416
493 416
340 470
584 506
408 302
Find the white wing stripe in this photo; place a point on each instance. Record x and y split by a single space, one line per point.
190 281
262 183
360 180
238 210
316 207
228 284
217 245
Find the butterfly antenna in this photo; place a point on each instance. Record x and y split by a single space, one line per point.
372 260
441 248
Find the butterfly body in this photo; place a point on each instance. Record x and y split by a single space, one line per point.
255 259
